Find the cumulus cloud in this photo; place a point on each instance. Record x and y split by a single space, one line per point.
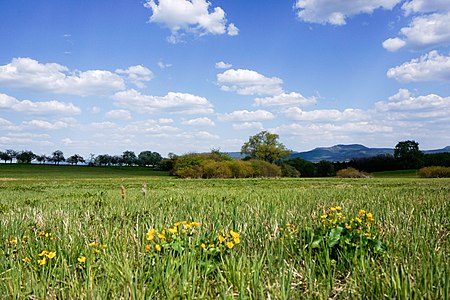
425 6
429 67
42 124
248 82
137 75
223 65
51 77
326 115
182 103
199 122
190 16
336 12
247 116
419 106
285 99
27 106
424 31
118 115
248 125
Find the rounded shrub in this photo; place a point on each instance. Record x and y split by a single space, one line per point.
435 172
351 173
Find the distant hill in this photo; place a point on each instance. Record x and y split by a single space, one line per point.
342 153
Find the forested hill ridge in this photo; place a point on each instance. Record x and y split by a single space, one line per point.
344 152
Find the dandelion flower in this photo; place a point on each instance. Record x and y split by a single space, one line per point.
82 259
43 253
203 246
173 230
230 245
348 226
162 236
93 244
50 255
338 208
195 224
358 220
323 216
362 212
13 241
221 239
42 262
158 247
148 248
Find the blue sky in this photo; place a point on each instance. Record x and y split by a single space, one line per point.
182 76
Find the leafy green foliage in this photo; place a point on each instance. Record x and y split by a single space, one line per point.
434 172
265 146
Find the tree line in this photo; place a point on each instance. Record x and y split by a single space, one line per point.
264 156
128 158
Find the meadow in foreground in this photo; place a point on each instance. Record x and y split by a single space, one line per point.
85 237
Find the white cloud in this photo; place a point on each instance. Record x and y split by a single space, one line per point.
27 106
173 102
223 65
335 12
429 67
248 82
326 115
165 121
424 31
41 124
425 6
247 116
199 122
205 135
411 105
393 44
137 75
66 141
248 125
285 99
51 77
4 122
232 30
190 16
118 115
163 65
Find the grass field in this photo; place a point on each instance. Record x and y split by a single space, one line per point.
74 233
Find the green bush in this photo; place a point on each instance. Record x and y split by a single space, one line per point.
240 168
289 171
351 173
265 169
215 169
434 172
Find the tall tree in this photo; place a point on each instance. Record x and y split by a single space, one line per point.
58 156
129 157
149 158
265 146
25 157
409 156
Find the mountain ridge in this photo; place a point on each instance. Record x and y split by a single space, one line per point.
343 152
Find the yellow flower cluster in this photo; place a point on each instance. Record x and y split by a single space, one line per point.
287 231
45 255
229 239
168 235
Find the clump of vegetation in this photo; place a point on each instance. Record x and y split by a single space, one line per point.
435 172
219 165
351 173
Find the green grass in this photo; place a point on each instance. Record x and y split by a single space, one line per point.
396 174
83 205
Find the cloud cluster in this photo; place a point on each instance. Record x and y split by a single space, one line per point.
285 99
336 12
429 67
55 78
45 107
181 103
429 27
190 16
248 82
137 75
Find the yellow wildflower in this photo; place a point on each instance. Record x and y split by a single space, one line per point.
93 244
237 240
43 253
104 246
338 208
362 212
203 246
367 234
26 260
348 226
13 241
177 224
148 248
339 214
230 245
221 239
82 259
358 220
150 236
97 251
51 254
42 262
323 216
173 230
158 247
333 209
195 224
162 236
